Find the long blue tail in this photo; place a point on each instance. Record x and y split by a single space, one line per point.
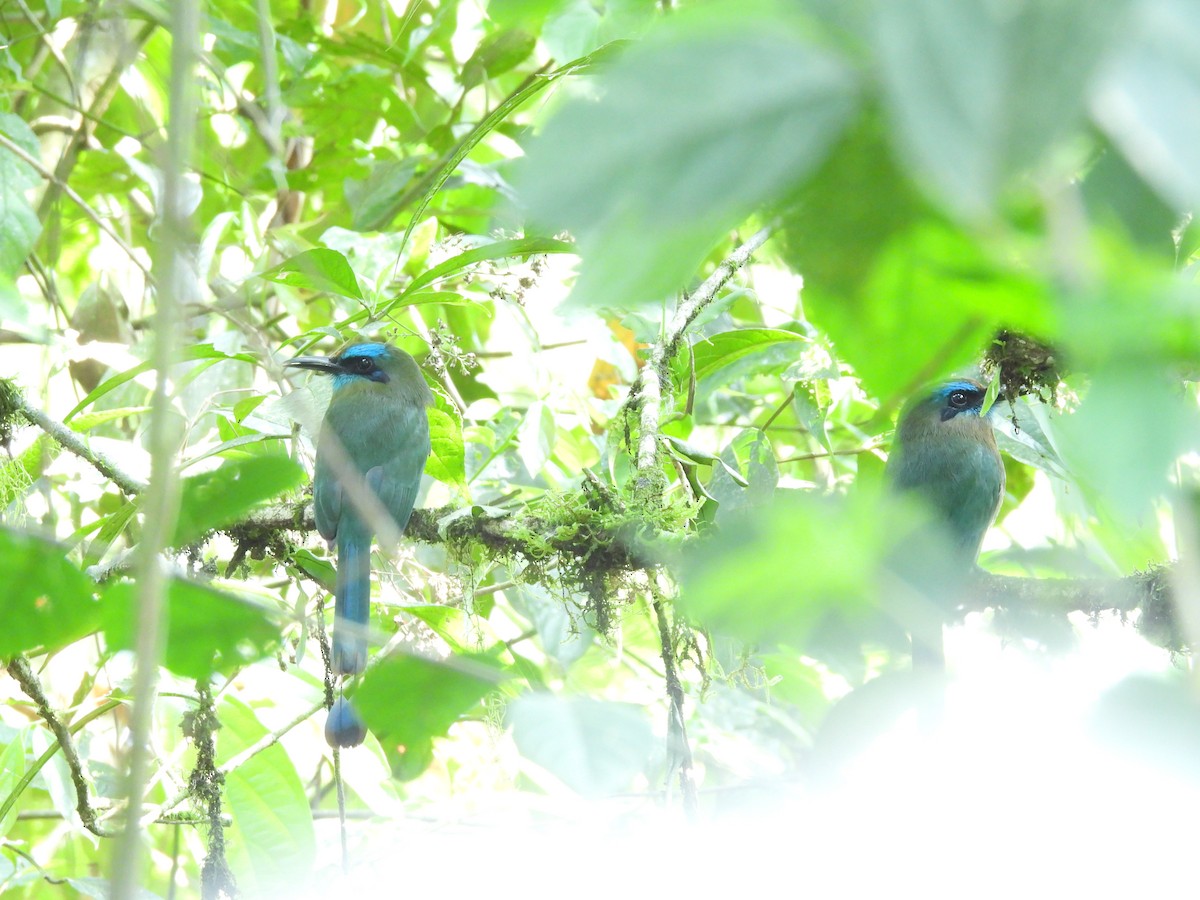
353 604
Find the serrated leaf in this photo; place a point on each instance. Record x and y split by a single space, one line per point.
320 270
447 456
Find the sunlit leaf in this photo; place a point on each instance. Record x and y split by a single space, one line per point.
220 497
19 225
320 270
273 840
46 602
695 127
12 771
496 54
447 458
408 701
207 630
728 347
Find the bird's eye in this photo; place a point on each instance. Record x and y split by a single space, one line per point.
364 364
959 399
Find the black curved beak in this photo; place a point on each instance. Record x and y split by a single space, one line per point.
315 363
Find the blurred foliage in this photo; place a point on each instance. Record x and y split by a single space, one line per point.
521 193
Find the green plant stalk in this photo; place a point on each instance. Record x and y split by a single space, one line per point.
161 500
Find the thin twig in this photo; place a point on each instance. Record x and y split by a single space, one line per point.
646 395
70 440
677 740
20 670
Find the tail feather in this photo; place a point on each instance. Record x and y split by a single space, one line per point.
353 602
343 727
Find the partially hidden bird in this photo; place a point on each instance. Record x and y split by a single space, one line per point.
372 447
945 454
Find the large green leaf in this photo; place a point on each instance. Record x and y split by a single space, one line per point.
928 306
712 116
217 498
46 602
979 91
407 701
207 631
1140 99
272 843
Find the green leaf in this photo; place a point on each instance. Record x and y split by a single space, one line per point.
314 567
320 270
728 347
447 456
782 572
19 224
1139 99
979 91
222 496
12 772
207 630
703 122
378 199
1130 427
187 354
47 602
696 455
407 701
496 54
593 746
273 841
929 305
247 405
86 423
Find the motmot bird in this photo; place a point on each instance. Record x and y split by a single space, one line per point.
373 445
945 454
